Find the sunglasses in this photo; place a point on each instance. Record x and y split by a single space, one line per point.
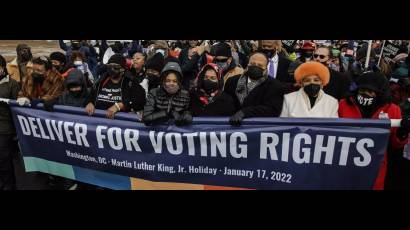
317 55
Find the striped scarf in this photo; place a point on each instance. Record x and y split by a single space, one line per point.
244 86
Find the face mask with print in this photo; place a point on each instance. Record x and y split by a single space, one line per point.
365 100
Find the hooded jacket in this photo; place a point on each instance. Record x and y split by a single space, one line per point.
160 104
75 77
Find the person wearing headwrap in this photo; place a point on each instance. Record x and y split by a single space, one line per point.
208 98
310 100
21 66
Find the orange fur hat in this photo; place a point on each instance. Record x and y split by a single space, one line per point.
312 68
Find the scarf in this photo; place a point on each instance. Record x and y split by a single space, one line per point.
244 86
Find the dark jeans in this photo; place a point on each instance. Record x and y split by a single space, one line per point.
7 178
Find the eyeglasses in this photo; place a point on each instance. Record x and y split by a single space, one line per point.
319 55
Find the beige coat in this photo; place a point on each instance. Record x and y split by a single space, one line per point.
13 69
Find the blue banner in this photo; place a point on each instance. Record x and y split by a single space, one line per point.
263 153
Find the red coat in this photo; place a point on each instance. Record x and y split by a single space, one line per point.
352 111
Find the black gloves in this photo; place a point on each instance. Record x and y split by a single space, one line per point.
182 119
35 102
187 118
404 129
237 118
49 106
2 103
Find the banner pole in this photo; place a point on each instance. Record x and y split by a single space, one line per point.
395 123
5 100
381 53
369 47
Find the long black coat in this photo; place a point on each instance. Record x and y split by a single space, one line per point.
265 100
222 105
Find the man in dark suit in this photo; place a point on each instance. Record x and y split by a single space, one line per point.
278 64
254 93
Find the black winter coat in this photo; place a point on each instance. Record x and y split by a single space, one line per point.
222 105
338 86
160 105
133 95
265 100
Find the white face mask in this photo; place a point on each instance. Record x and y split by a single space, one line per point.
161 51
78 62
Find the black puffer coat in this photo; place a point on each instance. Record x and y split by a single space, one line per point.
160 104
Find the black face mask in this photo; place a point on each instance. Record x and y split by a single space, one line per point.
114 73
307 54
254 72
25 57
312 89
209 86
59 68
153 80
76 94
269 53
38 78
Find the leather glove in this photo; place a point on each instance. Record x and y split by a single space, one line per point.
35 102
178 118
49 106
404 129
237 118
186 118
